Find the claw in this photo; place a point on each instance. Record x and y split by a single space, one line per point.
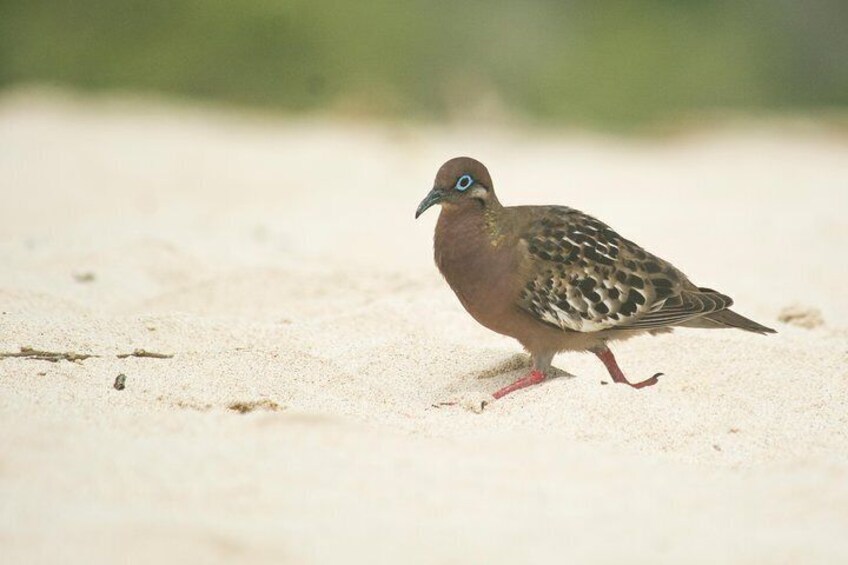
647 382
608 359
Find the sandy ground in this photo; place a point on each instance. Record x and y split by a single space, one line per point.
300 418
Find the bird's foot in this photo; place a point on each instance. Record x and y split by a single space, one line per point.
535 377
641 384
608 359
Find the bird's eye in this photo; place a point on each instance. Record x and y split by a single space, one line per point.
464 182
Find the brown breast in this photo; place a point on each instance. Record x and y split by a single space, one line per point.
481 267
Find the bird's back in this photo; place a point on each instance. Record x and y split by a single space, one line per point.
581 275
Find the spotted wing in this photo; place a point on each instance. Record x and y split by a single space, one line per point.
585 277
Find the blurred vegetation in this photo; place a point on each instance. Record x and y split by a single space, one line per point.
602 62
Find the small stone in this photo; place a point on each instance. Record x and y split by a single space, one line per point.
475 402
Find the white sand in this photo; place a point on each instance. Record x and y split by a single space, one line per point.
280 263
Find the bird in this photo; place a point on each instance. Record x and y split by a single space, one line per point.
557 279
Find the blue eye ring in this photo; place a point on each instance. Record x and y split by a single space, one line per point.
463 183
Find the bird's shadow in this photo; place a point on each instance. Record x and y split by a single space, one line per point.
466 389
509 368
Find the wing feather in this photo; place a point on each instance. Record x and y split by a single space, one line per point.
585 277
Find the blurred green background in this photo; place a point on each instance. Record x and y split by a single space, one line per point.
602 63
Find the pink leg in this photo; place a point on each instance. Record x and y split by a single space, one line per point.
608 359
535 377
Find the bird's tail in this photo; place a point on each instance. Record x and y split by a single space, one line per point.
730 319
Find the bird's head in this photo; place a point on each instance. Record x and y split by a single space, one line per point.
462 181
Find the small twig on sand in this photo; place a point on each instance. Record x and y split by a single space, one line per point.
148 354
52 356
447 403
56 356
250 406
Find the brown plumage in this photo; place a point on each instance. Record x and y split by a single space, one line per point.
557 279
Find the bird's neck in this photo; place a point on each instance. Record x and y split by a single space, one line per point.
474 220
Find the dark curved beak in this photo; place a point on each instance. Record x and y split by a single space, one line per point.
433 197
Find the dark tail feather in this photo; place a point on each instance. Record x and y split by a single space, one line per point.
730 319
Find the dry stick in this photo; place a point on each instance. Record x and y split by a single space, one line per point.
143 353
56 356
52 356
